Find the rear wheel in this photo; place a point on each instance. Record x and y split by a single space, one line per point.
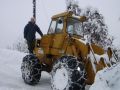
68 74
31 69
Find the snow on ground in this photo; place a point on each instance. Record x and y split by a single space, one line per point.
107 79
10 73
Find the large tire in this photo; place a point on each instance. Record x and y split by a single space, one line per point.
31 69
68 74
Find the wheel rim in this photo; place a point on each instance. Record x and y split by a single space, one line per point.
60 79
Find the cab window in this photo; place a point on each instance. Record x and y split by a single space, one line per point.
74 27
56 26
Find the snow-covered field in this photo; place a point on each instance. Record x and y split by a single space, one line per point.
10 75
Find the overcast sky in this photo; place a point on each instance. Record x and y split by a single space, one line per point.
15 14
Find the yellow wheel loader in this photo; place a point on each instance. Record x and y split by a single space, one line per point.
65 53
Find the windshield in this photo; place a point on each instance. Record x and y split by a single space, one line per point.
74 27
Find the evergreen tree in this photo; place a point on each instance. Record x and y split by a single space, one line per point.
94 27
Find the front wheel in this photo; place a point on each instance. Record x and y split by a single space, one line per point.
68 74
31 69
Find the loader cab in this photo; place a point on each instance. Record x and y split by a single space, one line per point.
67 23
61 26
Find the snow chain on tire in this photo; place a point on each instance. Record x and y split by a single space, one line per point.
68 74
31 69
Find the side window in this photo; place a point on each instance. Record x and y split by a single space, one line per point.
74 27
52 27
56 26
70 29
59 27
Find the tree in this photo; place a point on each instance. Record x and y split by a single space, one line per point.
94 27
72 5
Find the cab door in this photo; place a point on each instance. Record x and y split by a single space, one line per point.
53 41
58 38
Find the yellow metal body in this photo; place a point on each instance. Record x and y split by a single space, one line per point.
52 46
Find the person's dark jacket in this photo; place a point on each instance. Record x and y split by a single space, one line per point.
30 30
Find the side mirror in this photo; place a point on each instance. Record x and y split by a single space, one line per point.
60 21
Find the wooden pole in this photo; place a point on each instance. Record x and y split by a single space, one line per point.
34 9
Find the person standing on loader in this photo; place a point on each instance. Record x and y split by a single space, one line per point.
29 34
